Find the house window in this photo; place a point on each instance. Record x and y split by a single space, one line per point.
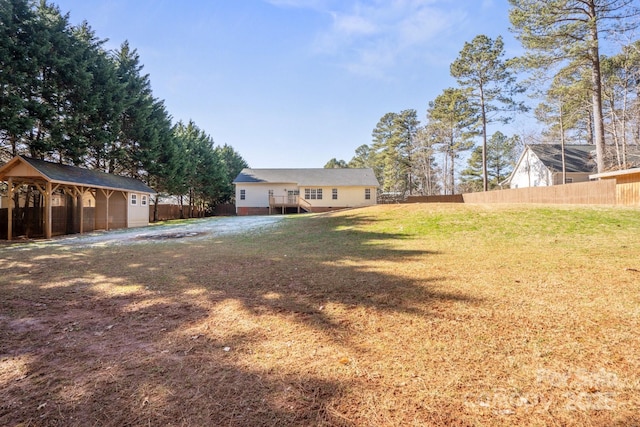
334 194
134 199
243 194
313 193
367 194
568 181
143 200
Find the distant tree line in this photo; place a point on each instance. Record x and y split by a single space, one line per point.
65 98
585 97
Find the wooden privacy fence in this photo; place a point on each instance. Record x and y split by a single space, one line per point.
167 212
602 192
628 193
449 198
589 193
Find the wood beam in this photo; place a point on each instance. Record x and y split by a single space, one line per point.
107 195
81 191
47 210
10 209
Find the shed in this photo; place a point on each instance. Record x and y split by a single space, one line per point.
627 185
72 199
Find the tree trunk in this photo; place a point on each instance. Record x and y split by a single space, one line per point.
155 209
483 111
596 85
564 163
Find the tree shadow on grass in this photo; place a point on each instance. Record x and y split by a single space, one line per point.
74 357
187 334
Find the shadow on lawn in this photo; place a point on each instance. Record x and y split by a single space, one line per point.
79 359
87 349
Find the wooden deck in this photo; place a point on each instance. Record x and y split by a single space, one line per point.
282 203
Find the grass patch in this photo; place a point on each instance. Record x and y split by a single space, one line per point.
400 315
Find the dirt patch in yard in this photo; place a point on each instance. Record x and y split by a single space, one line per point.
180 235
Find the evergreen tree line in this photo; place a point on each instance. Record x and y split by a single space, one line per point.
585 97
65 98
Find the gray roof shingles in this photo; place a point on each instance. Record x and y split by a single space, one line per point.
582 158
310 177
70 174
578 158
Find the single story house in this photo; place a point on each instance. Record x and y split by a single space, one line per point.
68 199
540 165
267 191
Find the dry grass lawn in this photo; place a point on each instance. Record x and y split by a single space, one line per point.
397 315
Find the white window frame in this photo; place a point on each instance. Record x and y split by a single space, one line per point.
367 194
334 194
243 194
313 193
134 199
143 200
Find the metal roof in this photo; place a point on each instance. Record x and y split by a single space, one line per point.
310 177
65 174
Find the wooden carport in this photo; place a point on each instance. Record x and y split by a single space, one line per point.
48 178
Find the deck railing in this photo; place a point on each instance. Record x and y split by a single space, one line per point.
289 201
283 200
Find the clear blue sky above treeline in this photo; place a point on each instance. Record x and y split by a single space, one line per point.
294 83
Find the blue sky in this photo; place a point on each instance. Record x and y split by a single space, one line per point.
294 83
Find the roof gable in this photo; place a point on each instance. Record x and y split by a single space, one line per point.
310 177
65 174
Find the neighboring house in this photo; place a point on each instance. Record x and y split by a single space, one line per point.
540 165
74 200
267 191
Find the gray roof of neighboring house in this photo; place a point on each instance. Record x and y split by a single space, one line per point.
578 158
59 173
310 177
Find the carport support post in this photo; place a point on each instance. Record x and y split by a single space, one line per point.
107 195
81 197
10 210
79 194
47 210
126 208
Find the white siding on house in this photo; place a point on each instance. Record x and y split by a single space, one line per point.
530 172
301 187
257 195
348 196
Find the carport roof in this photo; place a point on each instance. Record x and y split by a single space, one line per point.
71 175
